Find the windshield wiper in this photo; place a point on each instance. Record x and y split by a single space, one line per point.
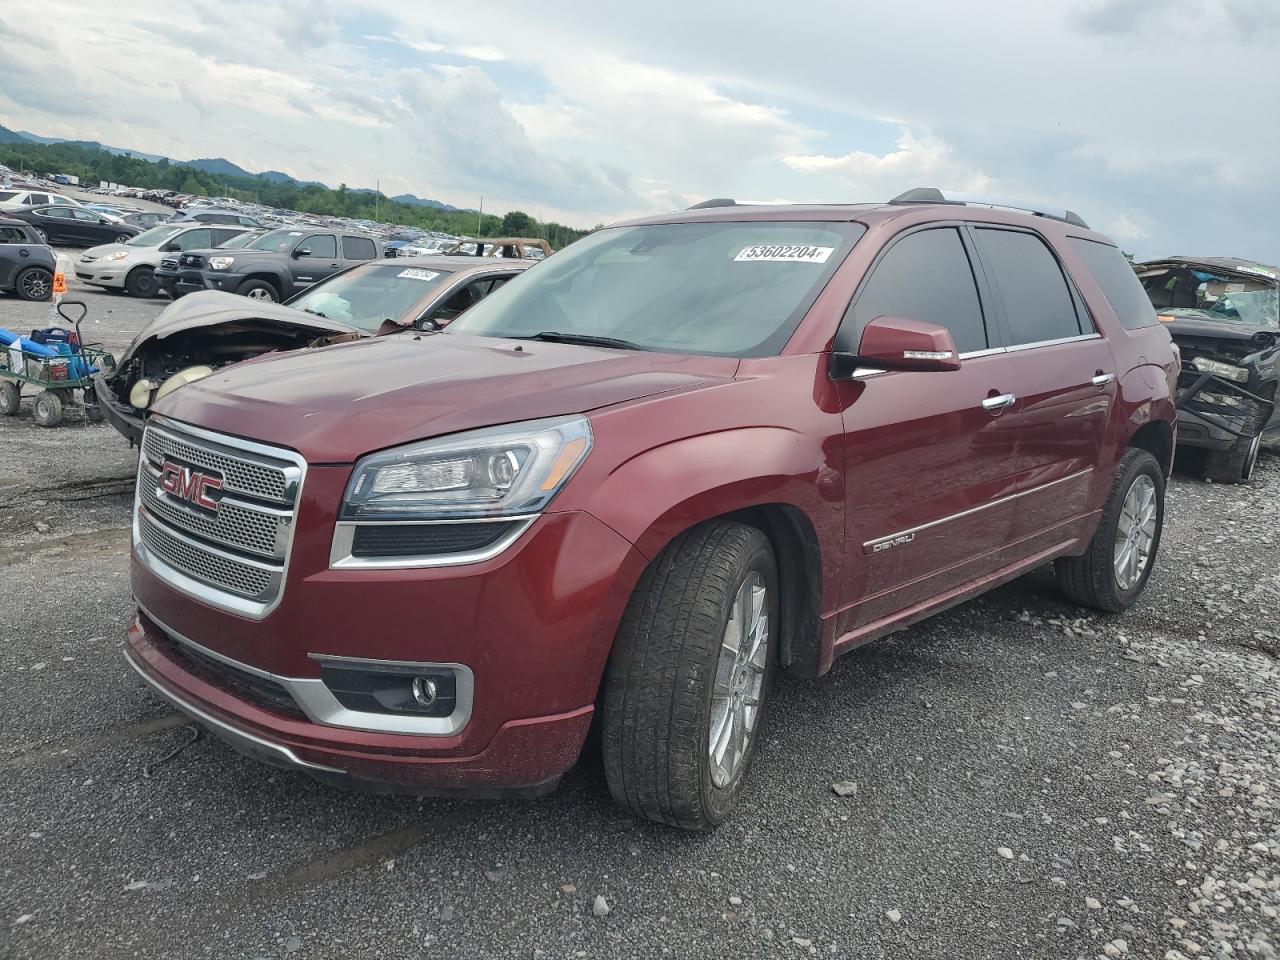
586 339
314 313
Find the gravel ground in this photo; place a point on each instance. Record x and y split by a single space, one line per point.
1031 780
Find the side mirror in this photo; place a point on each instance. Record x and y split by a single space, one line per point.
169 247
304 252
900 343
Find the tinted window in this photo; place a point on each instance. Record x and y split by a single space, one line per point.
87 215
1037 299
61 213
321 246
222 234
12 235
195 240
246 221
1119 283
35 199
7 195
358 248
924 276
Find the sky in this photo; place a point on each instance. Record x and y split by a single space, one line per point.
1156 120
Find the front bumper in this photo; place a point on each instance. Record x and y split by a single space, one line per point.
1217 425
123 418
533 625
191 281
101 275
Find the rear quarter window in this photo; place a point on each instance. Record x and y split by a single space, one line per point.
1119 283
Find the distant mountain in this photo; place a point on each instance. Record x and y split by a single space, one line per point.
413 201
11 136
89 145
275 176
218 167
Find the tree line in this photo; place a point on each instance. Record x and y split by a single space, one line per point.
92 165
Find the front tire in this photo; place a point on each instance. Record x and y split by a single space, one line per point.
688 683
1112 573
1234 464
258 290
141 282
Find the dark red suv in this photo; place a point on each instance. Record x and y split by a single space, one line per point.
683 454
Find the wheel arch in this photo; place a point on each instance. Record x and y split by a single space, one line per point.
1156 437
266 276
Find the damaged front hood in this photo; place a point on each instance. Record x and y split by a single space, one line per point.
338 403
212 308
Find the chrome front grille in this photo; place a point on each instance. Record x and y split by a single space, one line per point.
233 556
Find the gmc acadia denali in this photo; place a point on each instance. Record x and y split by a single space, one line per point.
637 481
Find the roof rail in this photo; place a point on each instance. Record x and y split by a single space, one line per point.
714 202
934 195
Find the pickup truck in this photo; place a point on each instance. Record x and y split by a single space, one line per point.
275 266
640 480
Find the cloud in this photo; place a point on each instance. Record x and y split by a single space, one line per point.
918 161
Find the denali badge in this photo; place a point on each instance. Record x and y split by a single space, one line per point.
879 546
194 486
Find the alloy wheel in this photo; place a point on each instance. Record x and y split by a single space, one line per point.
1135 532
261 293
739 682
44 237
36 285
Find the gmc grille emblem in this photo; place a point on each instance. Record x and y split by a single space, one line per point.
194 486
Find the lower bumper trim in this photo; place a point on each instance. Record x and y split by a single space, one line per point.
246 743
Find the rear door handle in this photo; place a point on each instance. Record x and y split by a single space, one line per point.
1000 402
1101 379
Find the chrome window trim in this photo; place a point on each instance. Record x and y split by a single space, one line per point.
1080 338
344 532
220 727
295 473
322 707
869 545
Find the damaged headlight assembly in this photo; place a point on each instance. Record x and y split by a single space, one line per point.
1228 371
458 499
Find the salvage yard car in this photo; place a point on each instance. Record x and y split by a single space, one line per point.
131 266
209 330
637 481
74 226
1224 315
276 265
27 264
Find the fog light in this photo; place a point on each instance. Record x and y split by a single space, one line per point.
424 691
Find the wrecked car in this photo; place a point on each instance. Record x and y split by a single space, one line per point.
1224 315
205 331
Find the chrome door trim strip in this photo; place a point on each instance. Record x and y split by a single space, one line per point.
871 545
1018 348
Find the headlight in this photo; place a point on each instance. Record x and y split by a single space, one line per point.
117 255
221 263
499 471
1219 369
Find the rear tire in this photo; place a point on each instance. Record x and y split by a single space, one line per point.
10 398
1100 578
34 283
670 700
258 290
1234 464
47 408
141 282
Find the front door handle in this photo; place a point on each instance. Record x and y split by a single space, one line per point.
1101 379
1000 402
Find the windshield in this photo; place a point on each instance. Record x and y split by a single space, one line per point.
1203 295
725 288
278 240
366 296
154 237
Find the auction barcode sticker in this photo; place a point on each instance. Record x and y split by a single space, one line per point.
417 273
785 253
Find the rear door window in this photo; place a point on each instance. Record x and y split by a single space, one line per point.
358 248
924 276
1119 283
1038 302
12 235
